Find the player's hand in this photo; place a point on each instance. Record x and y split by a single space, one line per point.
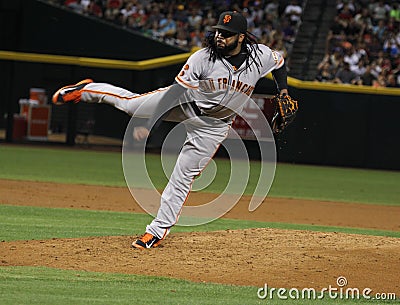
140 133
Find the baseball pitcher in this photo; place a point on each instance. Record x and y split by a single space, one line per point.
232 60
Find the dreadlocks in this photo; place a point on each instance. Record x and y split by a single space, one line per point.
250 46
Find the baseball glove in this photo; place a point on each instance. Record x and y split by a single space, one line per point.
285 112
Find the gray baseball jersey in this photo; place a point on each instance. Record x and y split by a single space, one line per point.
219 90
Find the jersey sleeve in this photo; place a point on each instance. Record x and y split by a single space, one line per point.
191 71
271 60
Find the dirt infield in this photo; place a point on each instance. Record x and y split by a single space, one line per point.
281 258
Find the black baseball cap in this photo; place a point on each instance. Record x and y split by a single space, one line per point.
232 21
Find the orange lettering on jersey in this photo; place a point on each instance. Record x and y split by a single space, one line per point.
204 86
275 56
211 83
227 18
186 67
249 90
182 73
225 81
238 85
233 85
222 82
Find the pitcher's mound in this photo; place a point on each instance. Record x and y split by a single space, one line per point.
254 257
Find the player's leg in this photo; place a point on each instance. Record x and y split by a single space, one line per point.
200 146
141 105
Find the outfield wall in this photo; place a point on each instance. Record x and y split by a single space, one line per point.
344 129
336 125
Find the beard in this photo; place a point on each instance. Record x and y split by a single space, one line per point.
226 48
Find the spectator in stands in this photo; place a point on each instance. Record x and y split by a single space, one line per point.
363 19
181 15
85 4
126 11
289 32
137 20
371 40
209 20
345 13
360 51
272 8
257 14
345 75
353 32
372 5
265 38
249 17
153 31
271 21
196 39
257 31
184 24
346 3
391 45
182 35
336 59
336 34
167 26
94 9
76 6
375 68
359 68
379 30
392 82
154 17
113 9
367 78
293 12
276 37
379 81
380 12
195 20
280 47
351 57
394 14
374 47
325 72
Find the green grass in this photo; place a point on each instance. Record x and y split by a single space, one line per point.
58 165
28 285
291 181
26 223
337 184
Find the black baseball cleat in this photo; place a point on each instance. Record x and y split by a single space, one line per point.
146 241
71 93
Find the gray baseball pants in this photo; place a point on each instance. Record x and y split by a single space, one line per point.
203 138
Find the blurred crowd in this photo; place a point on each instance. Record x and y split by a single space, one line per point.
363 44
185 23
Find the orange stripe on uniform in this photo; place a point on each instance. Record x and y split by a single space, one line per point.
185 83
124 97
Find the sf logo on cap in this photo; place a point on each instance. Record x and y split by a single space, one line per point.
227 18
